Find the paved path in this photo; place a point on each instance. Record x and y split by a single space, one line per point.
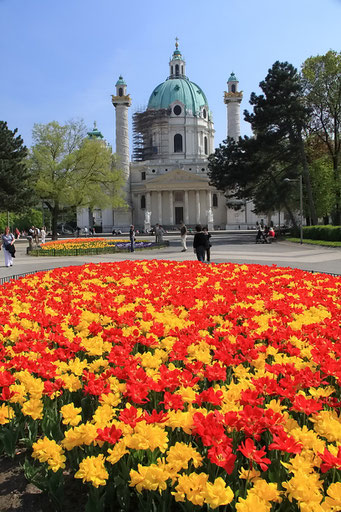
238 247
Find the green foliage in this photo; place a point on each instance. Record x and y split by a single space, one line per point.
323 186
73 171
31 217
331 233
322 81
254 168
16 191
323 243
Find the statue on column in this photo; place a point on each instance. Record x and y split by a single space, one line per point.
210 220
147 216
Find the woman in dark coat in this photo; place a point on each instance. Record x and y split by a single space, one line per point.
199 243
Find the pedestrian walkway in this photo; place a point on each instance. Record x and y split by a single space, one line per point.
227 247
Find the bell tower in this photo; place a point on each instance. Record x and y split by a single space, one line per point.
233 99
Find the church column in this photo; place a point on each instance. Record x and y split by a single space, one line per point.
197 206
210 220
171 208
186 212
148 201
159 203
209 200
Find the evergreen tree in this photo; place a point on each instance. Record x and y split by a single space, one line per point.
248 170
279 118
259 165
16 191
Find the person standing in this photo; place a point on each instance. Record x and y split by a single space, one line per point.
157 233
36 235
208 244
183 236
132 238
7 240
199 243
43 234
161 234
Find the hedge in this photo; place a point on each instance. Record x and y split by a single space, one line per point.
331 233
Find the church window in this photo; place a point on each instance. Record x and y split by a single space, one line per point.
203 169
143 175
233 88
177 70
182 70
177 110
120 91
171 70
205 146
215 200
143 202
178 143
204 113
153 170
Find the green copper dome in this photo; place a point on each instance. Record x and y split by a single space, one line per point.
178 89
120 81
232 78
95 133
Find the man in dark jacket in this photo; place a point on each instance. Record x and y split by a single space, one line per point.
132 238
199 243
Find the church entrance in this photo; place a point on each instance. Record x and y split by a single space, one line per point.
179 214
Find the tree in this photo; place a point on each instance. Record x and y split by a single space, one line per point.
16 191
73 171
247 170
322 178
276 151
322 82
280 116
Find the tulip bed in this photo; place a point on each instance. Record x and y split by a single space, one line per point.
166 386
83 243
80 246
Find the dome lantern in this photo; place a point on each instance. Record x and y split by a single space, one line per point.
177 65
121 86
95 133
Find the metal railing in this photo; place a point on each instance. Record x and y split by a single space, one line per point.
6 279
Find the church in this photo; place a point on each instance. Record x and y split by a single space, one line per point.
166 180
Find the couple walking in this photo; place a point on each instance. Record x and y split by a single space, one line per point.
201 242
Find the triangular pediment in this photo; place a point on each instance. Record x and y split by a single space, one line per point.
177 176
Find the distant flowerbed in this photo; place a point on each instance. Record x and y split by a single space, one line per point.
176 386
84 243
76 246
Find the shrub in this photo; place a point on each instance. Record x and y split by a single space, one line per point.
332 233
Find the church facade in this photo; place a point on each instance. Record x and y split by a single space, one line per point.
166 181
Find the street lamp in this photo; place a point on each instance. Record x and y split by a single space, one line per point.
300 180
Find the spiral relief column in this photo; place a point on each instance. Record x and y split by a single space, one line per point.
233 99
122 102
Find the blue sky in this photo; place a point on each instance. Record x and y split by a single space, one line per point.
60 60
